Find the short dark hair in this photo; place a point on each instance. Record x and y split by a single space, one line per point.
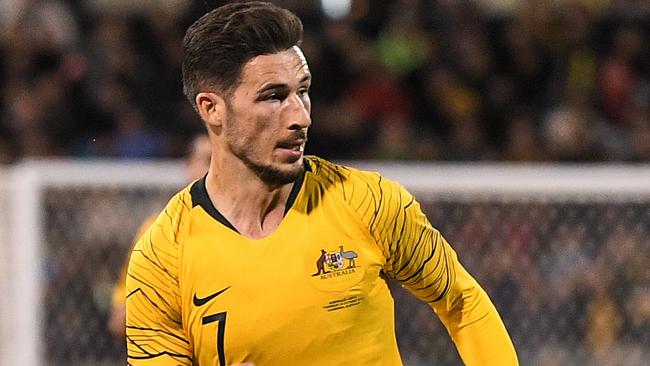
218 45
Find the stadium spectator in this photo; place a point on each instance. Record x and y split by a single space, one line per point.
81 59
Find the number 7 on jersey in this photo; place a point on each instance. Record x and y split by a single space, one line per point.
221 329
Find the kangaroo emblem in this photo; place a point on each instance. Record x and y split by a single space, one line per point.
320 263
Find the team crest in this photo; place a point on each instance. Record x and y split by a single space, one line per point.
334 268
334 261
341 260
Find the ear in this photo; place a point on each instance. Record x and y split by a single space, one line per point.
211 108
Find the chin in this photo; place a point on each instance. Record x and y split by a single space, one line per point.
291 173
280 174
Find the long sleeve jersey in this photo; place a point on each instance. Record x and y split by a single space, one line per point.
314 292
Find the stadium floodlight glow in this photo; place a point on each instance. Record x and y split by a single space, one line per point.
336 9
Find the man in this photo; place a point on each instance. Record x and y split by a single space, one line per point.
197 162
278 259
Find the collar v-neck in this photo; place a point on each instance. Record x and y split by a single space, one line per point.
200 197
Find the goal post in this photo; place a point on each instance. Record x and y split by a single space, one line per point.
27 241
5 225
561 249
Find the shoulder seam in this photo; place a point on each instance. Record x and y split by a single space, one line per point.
340 173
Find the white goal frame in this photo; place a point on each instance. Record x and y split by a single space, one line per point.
23 317
21 223
5 226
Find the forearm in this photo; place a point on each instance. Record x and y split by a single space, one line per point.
474 325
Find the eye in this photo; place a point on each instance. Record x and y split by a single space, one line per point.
278 95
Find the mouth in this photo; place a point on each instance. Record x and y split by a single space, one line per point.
299 148
295 145
294 148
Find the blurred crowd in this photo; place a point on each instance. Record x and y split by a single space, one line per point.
569 279
393 79
438 80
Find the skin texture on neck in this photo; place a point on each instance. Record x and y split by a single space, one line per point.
253 207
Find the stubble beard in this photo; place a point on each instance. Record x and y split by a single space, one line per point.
275 177
271 175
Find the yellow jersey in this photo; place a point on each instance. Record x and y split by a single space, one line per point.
118 297
314 292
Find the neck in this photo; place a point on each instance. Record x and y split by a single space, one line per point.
254 207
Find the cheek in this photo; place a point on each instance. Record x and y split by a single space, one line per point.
266 123
254 135
256 126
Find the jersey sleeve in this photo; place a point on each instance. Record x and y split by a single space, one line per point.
119 290
154 331
419 257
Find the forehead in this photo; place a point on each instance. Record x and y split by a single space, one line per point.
282 67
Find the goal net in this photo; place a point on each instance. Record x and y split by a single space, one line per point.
563 252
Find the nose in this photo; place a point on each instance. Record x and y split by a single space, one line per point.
299 112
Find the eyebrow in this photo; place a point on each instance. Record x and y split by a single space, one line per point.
268 87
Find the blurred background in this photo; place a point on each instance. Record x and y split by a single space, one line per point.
435 81
451 80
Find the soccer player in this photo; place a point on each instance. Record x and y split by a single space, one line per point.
197 162
275 258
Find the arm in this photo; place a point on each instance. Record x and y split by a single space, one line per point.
117 319
420 258
154 331
473 322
